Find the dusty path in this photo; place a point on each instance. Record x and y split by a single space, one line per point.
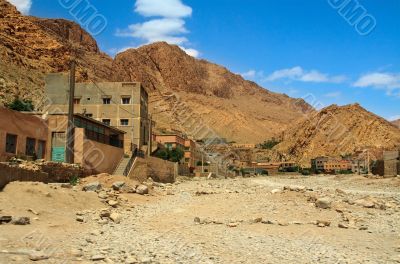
162 228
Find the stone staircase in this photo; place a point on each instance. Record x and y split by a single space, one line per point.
122 166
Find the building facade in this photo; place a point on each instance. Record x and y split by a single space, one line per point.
337 166
97 147
22 135
318 163
123 105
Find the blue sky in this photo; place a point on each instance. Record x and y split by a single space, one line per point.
313 49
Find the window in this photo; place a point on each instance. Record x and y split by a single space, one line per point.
11 143
106 101
124 122
89 115
126 100
107 122
30 147
77 101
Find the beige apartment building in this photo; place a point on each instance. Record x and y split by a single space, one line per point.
123 105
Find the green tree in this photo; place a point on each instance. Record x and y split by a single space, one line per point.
269 144
176 155
21 105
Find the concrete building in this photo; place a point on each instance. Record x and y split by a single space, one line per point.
97 147
171 141
192 153
123 105
243 146
337 166
22 135
318 163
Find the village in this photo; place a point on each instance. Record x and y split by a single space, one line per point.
210 132
103 160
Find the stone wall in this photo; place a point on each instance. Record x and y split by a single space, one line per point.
157 169
13 173
61 172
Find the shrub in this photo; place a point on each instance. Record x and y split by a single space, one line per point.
269 144
21 105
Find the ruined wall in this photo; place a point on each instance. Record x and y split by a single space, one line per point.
12 173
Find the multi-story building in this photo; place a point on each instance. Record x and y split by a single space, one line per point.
337 165
171 141
192 153
123 105
318 163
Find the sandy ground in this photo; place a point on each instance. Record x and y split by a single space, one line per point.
251 220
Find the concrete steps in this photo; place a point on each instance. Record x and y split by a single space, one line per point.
121 167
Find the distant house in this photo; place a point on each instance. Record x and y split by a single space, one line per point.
337 166
318 164
390 165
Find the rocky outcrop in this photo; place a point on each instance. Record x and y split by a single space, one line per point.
335 131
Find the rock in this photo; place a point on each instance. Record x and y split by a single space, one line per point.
97 257
104 213
37 256
233 225
142 189
343 225
117 186
323 223
5 219
197 220
256 220
340 191
116 218
365 203
269 222
131 260
92 187
21 221
283 223
113 203
295 188
103 195
274 191
324 203
33 211
80 219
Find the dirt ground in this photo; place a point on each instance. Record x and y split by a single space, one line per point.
251 220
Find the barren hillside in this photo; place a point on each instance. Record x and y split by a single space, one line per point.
396 123
216 100
337 130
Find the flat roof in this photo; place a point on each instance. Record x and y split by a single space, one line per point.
80 116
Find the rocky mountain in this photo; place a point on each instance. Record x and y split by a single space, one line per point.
396 123
337 130
194 96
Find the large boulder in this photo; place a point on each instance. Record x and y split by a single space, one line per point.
92 187
142 189
324 203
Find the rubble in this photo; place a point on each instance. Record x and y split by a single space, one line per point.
142 189
21 221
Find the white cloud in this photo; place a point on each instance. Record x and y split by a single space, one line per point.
299 74
169 26
162 8
191 52
249 74
333 94
394 118
163 29
23 6
390 82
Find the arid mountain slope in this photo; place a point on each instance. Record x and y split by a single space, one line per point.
186 94
396 123
337 130
31 47
212 96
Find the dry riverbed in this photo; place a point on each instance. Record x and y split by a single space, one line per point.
324 219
